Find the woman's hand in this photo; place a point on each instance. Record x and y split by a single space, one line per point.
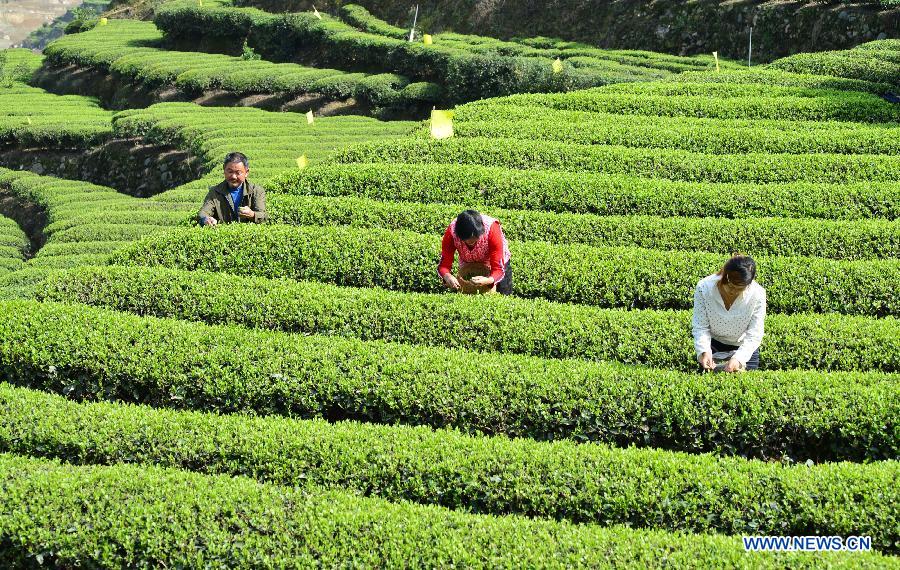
451 282
734 365
482 281
706 361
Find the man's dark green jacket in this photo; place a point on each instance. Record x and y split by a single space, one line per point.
219 205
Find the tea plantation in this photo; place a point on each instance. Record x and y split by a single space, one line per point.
305 392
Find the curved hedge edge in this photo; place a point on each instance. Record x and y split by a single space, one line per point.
871 239
170 518
561 480
590 193
89 353
619 277
669 164
505 325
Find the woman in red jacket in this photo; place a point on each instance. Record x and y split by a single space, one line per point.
484 260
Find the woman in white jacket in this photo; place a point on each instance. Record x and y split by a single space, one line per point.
729 313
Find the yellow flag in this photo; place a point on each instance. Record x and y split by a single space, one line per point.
441 124
200 2
557 66
316 12
103 21
302 162
716 57
309 117
426 38
29 120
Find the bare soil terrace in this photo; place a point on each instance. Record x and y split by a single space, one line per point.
18 18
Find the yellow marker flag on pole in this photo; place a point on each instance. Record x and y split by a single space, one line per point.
716 56
426 39
316 12
103 21
441 124
29 120
557 66
200 2
302 162
309 117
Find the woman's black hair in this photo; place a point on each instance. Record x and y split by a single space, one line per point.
740 270
469 225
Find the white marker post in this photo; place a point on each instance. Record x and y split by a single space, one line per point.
412 30
716 57
750 49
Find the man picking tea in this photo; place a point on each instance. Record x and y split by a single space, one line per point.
235 199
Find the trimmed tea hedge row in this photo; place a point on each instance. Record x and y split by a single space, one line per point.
86 221
653 163
877 61
723 101
771 76
606 277
715 136
591 193
855 65
90 353
640 57
871 239
81 213
72 248
360 18
149 217
580 55
108 232
172 518
509 325
188 196
731 91
34 118
124 47
67 261
8 262
275 140
66 199
641 488
18 65
13 245
22 283
12 236
880 45
465 74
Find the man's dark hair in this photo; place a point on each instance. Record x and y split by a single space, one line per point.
469 225
740 270
233 157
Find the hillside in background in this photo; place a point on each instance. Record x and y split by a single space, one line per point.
780 27
18 18
87 10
